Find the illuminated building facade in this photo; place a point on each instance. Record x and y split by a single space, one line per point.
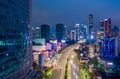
36 32
117 48
73 35
77 31
101 33
15 38
90 22
108 47
107 27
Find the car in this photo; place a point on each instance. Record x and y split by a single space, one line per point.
84 59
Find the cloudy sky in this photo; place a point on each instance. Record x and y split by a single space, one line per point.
70 12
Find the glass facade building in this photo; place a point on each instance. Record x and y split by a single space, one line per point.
109 47
14 39
45 32
36 32
90 22
60 32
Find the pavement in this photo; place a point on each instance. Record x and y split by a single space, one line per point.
59 69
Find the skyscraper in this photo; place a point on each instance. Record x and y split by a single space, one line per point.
77 31
60 32
117 46
91 29
107 27
109 47
15 38
73 35
90 22
36 32
45 32
101 23
115 31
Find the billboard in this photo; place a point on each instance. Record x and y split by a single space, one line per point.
49 46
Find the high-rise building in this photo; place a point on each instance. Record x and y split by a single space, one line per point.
117 48
90 22
91 30
77 31
101 23
84 31
36 32
101 31
60 32
45 32
115 31
15 38
108 48
73 35
107 27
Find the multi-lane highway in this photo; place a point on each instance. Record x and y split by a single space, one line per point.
59 68
74 66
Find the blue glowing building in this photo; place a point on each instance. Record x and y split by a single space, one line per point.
108 47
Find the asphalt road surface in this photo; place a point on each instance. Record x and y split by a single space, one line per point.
59 68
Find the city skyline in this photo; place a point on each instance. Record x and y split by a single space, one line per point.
70 12
59 39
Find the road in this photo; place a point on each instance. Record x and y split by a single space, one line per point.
59 68
74 66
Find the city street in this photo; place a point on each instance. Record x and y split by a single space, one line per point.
59 68
59 39
74 66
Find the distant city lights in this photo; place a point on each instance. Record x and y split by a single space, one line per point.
63 41
91 37
109 63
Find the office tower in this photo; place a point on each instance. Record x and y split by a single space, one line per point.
68 34
45 32
90 25
83 31
107 27
73 35
36 32
101 31
15 39
115 31
108 47
91 30
117 46
77 31
60 32
101 24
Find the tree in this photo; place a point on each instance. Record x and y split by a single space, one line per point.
95 62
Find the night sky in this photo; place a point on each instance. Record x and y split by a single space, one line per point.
70 12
